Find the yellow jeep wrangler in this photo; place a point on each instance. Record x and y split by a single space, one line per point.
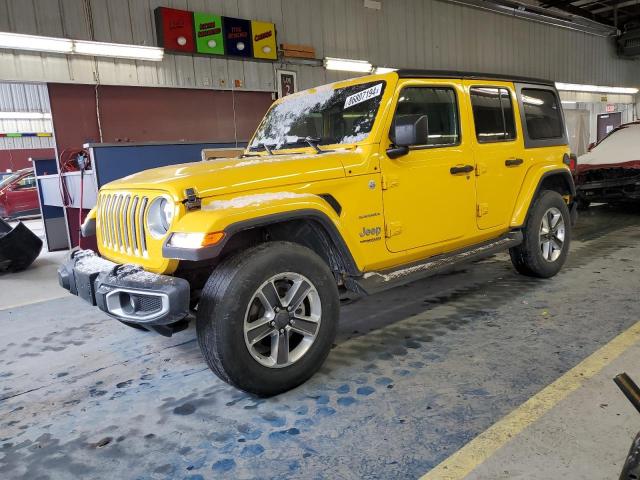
356 186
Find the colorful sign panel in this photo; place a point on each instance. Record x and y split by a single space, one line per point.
209 38
237 36
264 40
29 134
175 29
208 34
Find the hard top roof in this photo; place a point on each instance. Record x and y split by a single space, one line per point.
410 73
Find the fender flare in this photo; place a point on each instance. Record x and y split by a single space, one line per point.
520 213
213 251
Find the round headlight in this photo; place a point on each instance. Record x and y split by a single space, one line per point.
160 216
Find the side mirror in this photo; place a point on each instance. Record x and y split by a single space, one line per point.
407 131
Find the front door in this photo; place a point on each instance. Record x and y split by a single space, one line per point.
429 193
23 197
498 150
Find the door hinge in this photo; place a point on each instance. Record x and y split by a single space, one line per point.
389 181
481 169
392 229
483 209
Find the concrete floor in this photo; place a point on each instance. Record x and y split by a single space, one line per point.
417 372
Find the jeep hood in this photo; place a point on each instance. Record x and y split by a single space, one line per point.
231 175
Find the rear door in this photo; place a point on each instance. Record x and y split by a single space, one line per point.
498 151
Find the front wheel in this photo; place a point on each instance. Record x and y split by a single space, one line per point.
267 317
547 235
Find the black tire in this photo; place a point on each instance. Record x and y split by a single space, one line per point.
224 303
528 258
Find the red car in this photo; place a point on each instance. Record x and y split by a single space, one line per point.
18 195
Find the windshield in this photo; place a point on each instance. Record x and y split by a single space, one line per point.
327 116
4 181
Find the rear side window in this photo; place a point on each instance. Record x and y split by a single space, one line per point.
542 114
439 105
492 114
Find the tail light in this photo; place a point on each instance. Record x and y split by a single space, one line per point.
570 161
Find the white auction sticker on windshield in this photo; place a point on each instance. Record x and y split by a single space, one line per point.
363 96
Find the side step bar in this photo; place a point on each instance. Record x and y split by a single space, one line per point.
373 282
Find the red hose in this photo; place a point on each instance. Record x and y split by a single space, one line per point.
69 163
80 210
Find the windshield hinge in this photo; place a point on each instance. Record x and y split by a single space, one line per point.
192 201
389 181
391 229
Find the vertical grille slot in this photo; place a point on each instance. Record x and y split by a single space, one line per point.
132 222
112 226
117 221
141 232
125 220
107 223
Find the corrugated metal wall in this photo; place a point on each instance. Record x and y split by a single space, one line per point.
25 97
405 33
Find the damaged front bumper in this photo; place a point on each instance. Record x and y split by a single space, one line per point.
126 292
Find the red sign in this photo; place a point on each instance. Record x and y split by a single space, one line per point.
175 29
611 108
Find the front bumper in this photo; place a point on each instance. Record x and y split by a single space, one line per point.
125 292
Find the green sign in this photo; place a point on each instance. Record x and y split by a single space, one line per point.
209 38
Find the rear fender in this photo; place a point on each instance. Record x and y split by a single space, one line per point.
533 183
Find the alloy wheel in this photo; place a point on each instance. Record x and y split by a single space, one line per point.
282 320
552 234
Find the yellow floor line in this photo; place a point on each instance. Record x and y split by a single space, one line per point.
477 451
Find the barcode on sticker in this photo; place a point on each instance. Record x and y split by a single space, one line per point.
363 96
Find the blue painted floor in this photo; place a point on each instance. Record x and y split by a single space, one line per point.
416 373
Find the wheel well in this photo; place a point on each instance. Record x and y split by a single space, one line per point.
560 182
309 232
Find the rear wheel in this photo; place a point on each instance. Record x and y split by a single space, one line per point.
547 236
267 317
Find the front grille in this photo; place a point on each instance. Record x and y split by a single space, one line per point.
121 222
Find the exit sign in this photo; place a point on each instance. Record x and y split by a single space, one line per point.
611 108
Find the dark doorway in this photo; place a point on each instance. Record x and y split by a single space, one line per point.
607 122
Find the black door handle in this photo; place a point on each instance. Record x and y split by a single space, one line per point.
462 169
513 162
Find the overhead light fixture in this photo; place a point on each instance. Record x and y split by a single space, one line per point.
18 41
24 116
36 43
573 87
532 100
118 50
346 65
381 70
569 102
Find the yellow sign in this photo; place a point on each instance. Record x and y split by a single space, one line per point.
264 40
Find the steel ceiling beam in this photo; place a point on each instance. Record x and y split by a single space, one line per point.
567 6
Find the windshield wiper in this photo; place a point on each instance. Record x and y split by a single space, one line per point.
266 147
313 142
